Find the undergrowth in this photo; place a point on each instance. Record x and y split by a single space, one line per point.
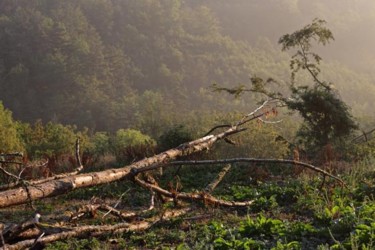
289 212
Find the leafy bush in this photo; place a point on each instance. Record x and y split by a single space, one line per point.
9 137
262 226
100 143
130 145
51 140
174 137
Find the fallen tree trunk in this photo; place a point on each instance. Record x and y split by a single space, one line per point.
61 186
95 231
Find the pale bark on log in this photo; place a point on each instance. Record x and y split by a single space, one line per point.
96 231
64 185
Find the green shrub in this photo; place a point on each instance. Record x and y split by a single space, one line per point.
9 136
100 143
174 137
51 140
130 145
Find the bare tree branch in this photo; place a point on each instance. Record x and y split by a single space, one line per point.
50 188
78 158
255 160
16 154
202 196
210 188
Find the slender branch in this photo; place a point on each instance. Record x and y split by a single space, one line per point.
307 66
364 134
253 114
9 174
210 188
16 154
121 215
2 236
218 126
10 162
78 158
255 160
206 198
269 122
38 182
118 201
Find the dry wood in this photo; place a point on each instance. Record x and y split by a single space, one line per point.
118 213
40 181
64 185
17 154
7 173
78 158
91 210
1 235
96 231
202 196
210 187
12 231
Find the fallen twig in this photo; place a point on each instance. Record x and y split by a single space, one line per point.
78 158
41 181
255 160
210 188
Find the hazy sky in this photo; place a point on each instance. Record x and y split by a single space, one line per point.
351 21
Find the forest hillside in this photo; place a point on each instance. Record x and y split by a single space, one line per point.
94 63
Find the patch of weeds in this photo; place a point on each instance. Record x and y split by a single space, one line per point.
294 245
264 204
234 243
262 227
91 243
298 230
362 237
45 207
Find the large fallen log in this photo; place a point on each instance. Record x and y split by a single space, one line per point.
29 192
61 186
95 231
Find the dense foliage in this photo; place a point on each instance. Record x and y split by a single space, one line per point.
9 136
108 64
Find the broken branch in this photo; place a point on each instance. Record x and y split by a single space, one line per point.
210 188
206 198
255 160
94 231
